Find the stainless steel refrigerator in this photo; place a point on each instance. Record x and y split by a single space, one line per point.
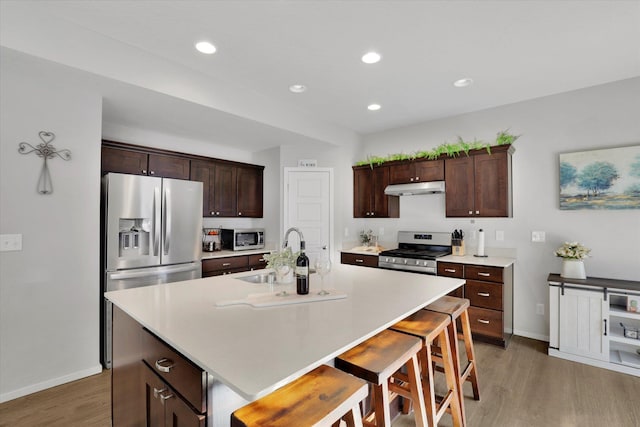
152 234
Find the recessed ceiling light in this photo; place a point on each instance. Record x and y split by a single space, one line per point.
373 107
205 47
371 57
463 82
297 88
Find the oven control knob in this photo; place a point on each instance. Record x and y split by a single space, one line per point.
405 261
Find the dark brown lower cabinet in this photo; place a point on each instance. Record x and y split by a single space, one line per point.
163 405
359 259
232 264
152 384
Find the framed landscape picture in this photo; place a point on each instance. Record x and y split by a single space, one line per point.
600 179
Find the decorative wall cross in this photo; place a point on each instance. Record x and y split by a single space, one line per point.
46 151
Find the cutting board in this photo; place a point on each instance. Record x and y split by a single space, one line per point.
276 299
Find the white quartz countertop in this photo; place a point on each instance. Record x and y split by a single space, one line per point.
257 350
490 261
227 253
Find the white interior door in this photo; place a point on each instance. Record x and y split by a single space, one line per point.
308 205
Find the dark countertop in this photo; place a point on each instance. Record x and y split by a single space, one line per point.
631 285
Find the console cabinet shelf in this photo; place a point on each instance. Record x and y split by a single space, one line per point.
586 318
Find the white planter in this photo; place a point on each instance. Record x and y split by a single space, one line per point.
573 269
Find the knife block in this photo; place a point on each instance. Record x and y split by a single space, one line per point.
457 247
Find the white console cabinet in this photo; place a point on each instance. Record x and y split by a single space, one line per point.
585 322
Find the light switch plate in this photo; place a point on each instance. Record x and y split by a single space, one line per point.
10 242
538 236
499 235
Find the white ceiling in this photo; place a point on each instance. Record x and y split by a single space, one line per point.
514 51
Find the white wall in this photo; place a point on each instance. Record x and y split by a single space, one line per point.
49 312
599 117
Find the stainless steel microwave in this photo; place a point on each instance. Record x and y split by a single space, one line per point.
239 239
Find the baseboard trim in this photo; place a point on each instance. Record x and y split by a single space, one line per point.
5 397
531 335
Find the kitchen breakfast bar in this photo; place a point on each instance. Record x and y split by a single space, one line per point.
237 352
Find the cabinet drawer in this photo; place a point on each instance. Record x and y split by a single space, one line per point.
450 269
486 322
186 378
357 259
227 263
477 272
484 294
257 261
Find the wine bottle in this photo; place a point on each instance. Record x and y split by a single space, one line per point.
302 272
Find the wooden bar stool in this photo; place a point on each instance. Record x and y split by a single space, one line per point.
376 360
429 326
320 398
457 308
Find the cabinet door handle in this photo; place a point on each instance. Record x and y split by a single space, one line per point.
144 171
156 391
477 212
605 327
226 264
212 213
450 270
411 179
486 322
239 213
164 365
417 178
470 212
484 274
152 172
165 397
484 294
359 260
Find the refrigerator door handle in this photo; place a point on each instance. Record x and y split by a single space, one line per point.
164 270
156 222
166 215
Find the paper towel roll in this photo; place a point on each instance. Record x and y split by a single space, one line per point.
480 251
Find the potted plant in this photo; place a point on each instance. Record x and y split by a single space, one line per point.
283 263
573 254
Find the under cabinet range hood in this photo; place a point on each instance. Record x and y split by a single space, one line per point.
415 188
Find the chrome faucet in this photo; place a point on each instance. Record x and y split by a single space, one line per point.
286 237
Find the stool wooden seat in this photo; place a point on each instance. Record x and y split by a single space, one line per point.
319 398
429 326
457 308
376 360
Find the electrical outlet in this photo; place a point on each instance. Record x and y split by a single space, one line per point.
540 309
10 242
380 231
499 235
346 232
538 236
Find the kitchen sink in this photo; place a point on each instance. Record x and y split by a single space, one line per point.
256 278
263 277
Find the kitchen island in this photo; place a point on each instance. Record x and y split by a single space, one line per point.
248 352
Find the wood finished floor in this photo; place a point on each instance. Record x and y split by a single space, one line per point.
520 386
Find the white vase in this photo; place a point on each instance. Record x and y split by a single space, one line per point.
573 269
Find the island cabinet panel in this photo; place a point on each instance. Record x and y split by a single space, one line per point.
406 172
358 259
479 185
142 393
189 380
369 200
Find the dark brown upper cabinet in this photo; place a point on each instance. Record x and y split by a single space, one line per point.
479 185
229 190
422 170
122 160
369 200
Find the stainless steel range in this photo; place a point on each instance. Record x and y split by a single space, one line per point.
417 251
